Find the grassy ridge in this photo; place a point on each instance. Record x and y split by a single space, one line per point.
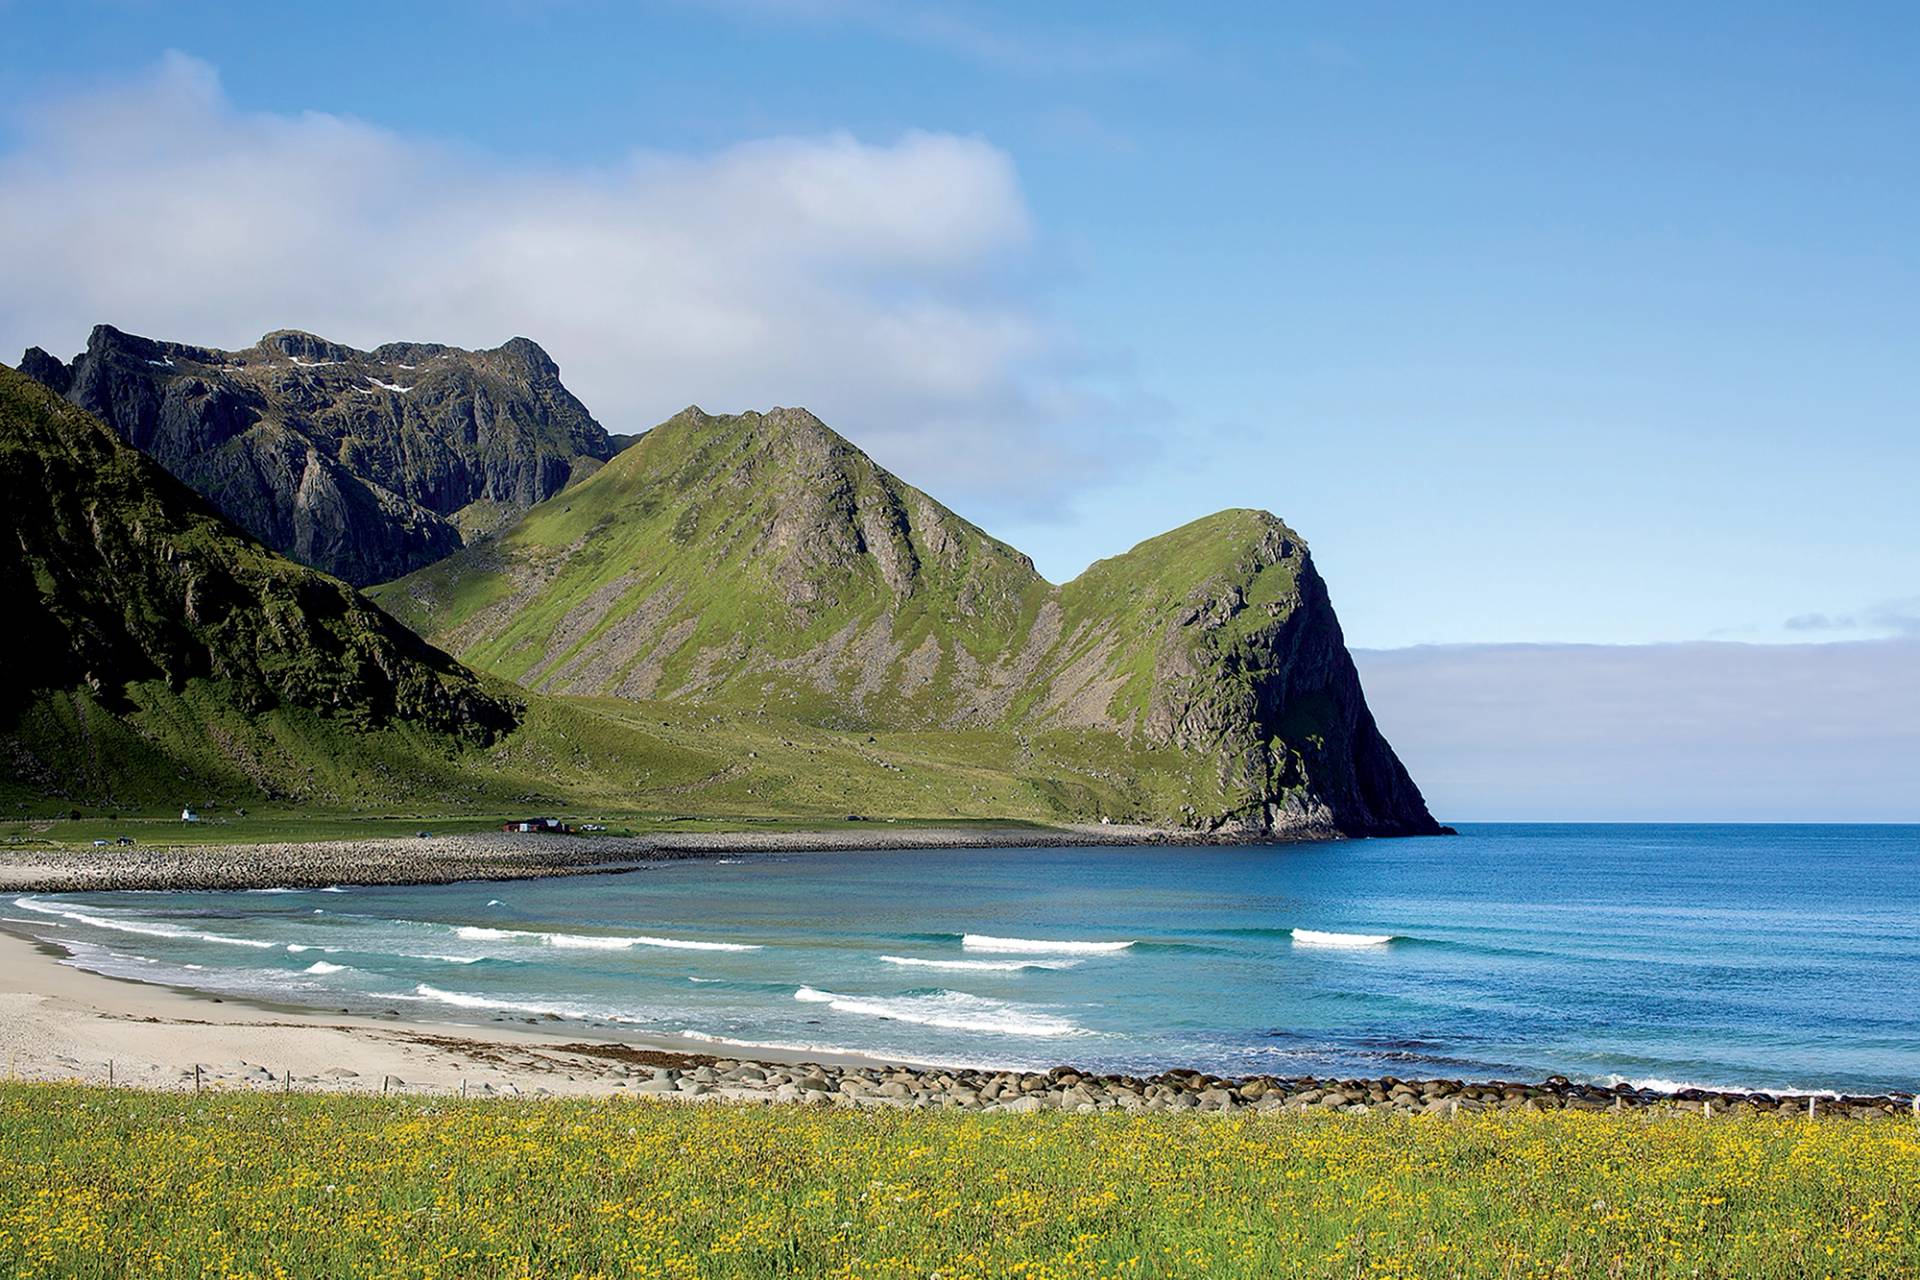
762 534
100 1183
763 561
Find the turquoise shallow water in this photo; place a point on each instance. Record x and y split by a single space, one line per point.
1764 957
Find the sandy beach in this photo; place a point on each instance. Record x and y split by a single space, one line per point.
58 1022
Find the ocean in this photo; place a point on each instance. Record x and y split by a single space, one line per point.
1764 957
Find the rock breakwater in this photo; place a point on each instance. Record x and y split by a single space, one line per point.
1071 1090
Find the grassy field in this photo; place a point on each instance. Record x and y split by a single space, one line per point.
588 758
99 1183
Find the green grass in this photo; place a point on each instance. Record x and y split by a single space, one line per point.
643 765
760 566
102 1183
678 524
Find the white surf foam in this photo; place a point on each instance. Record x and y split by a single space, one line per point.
1324 938
148 928
952 1009
470 1000
322 967
597 941
587 942
1039 946
428 955
1657 1084
979 966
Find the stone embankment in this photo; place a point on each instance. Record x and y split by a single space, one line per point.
488 856
1066 1089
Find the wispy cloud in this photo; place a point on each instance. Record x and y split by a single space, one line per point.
891 287
1889 617
1029 49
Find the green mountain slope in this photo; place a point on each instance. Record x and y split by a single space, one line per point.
763 565
156 655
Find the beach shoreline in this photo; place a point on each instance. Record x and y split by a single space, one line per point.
62 1023
492 855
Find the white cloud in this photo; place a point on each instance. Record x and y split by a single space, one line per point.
882 286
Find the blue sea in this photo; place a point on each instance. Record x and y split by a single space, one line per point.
1768 957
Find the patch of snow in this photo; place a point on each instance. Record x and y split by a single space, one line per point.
314 364
386 386
162 364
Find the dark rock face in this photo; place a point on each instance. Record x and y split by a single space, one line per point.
1271 690
367 464
1297 730
118 577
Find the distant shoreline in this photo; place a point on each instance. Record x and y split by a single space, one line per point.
500 856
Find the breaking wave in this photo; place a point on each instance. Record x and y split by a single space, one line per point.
149 928
1324 938
596 941
979 966
1039 946
501 1004
955 1010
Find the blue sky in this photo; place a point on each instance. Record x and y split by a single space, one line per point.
1542 323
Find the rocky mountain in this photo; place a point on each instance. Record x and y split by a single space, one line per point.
762 564
153 651
366 464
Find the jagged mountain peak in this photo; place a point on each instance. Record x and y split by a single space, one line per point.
363 463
